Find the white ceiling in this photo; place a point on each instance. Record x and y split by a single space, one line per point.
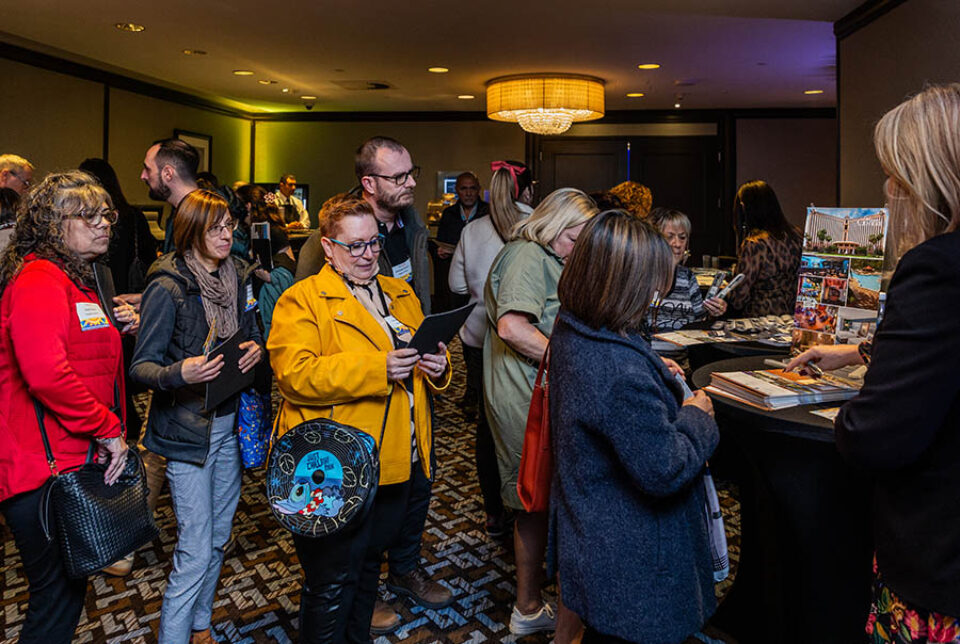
732 53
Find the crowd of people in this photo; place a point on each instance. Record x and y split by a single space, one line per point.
576 283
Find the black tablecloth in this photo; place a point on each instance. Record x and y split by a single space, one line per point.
805 550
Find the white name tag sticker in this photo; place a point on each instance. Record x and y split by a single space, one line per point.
404 270
91 316
398 327
251 300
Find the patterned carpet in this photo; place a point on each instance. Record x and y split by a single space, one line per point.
258 597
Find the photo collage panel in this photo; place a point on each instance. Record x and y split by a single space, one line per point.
838 290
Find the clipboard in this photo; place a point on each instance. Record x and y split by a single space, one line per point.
230 381
106 291
440 327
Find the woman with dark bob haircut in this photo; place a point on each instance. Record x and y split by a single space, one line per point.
628 533
197 288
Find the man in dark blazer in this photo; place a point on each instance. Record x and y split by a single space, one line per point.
454 218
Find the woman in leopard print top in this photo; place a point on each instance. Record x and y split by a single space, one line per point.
769 254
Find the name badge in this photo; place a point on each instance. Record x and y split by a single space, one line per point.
251 300
91 316
404 270
398 327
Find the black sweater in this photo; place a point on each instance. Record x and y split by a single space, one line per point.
905 426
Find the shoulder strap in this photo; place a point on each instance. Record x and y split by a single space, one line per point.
51 461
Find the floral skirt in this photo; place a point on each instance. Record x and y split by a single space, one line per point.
893 620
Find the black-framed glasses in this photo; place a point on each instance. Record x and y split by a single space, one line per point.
26 182
93 218
400 179
357 249
230 226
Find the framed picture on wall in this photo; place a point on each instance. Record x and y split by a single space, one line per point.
204 145
154 214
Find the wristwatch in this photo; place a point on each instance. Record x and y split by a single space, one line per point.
864 349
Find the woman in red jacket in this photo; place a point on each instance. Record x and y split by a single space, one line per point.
57 347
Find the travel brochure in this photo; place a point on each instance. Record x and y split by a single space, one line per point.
772 389
838 288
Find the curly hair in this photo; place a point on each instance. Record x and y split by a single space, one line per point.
635 196
40 220
261 207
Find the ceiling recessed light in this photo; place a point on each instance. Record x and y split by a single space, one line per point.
308 98
635 95
438 70
267 82
466 97
813 91
194 52
677 105
285 90
129 26
648 66
242 72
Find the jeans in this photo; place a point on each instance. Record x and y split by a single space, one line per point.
342 571
488 472
56 601
204 499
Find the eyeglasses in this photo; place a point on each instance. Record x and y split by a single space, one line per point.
26 182
230 226
94 219
401 178
357 249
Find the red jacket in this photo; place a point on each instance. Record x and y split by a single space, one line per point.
45 354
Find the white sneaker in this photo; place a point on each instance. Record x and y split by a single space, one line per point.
544 619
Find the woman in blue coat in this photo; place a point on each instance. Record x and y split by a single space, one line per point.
627 529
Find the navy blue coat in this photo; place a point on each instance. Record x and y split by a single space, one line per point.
627 522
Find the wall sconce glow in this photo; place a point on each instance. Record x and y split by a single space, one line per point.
438 70
306 97
813 91
130 26
466 97
194 52
242 72
545 103
636 95
648 66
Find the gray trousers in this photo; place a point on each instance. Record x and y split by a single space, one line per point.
204 501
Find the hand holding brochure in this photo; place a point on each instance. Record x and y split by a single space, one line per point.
773 389
440 327
231 380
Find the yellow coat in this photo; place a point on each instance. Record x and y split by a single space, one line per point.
329 356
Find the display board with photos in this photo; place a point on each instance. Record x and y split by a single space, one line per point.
838 289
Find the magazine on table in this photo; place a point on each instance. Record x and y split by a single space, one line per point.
772 389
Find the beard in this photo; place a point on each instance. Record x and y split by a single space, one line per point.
395 202
160 193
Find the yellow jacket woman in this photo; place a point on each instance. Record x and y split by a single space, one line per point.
329 356
338 346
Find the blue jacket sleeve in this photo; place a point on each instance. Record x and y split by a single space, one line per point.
912 381
158 314
661 456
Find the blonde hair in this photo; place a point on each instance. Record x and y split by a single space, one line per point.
562 209
918 144
504 212
14 162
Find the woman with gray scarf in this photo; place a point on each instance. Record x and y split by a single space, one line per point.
195 298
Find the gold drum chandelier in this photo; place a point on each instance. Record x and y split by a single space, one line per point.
545 103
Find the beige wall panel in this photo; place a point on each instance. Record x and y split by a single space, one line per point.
136 121
53 120
880 65
798 157
321 154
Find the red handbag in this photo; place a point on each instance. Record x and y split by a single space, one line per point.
536 459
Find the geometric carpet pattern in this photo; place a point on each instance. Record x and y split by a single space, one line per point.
258 596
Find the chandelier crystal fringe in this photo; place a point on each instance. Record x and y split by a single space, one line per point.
545 103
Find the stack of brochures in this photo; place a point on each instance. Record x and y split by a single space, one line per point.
773 389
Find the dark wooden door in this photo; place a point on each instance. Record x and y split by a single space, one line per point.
683 172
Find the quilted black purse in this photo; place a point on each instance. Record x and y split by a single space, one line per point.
96 524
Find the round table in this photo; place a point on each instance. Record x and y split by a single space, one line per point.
804 573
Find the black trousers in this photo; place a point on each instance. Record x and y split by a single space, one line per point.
488 472
341 573
56 601
591 636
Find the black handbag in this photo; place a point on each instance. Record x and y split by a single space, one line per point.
323 475
96 523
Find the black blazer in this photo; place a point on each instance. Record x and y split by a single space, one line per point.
905 426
